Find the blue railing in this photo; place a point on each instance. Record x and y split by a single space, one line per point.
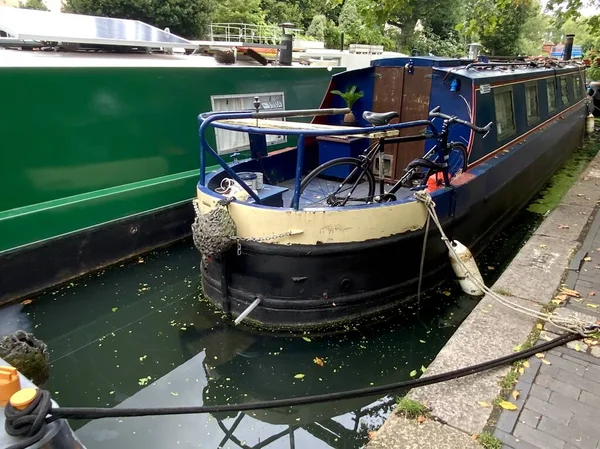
207 119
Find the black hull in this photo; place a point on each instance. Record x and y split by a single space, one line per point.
307 287
36 267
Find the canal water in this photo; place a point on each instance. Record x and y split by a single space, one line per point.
139 334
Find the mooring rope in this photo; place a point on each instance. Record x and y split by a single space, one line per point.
569 324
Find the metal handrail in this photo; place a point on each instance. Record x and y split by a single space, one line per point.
207 119
247 32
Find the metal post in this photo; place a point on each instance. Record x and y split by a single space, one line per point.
299 166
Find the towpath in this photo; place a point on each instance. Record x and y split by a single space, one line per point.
549 401
559 395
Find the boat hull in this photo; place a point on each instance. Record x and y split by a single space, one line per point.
304 286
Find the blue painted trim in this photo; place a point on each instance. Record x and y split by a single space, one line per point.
299 165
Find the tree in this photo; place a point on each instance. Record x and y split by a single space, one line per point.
318 27
186 18
239 11
33 4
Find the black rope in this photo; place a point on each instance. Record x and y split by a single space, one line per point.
28 422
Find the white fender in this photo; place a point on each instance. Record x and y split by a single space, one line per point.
467 259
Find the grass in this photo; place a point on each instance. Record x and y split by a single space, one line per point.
409 408
489 441
503 292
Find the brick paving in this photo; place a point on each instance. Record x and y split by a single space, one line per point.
559 402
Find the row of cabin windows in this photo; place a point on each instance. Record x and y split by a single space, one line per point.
505 111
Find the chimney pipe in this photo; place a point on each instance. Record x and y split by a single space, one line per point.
568 47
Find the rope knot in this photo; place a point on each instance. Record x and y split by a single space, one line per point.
30 422
424 197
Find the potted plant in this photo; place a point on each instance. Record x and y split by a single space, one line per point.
350 97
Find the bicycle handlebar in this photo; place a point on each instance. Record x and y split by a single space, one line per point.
451 119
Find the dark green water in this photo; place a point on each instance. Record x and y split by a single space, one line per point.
112 333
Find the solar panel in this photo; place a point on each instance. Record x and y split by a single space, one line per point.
76 28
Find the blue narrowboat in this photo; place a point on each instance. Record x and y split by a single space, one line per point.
281 251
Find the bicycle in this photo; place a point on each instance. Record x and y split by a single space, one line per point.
453 157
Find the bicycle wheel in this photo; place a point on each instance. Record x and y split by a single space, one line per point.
457 160
322 186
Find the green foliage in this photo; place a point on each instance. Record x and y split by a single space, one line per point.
239 11
186 18
409 408
33 4
489 441
350 96
427 42
317 27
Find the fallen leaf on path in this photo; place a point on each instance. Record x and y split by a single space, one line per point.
540 355
543 245
521 370
577 347
484 404
547 362
539 326
421 419
592 306
569 292
506 405
563 227
592 293
526 364
372 433
587 259
563 296
515 394
474 437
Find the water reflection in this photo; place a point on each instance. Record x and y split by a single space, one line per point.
13 318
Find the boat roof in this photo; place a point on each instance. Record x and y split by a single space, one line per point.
21 58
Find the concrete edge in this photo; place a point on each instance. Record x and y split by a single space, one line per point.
492 330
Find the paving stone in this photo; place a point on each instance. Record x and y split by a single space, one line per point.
568 434
592 374
587 426
577 346
590 399
506 438
550 370
506 446
596 351
558 386
582 383
565 365
537 437
530 373
565 213
530 418
581 283
547 409
575 359
572 405
584 359
540 392
526 445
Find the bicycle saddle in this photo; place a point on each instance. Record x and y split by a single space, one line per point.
379 118
420 162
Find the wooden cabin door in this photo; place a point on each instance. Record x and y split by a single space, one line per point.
408 94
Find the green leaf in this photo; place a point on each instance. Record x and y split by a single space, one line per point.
114 309
413 373
423 369
306 339
299 376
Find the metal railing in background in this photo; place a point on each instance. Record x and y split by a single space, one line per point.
248 33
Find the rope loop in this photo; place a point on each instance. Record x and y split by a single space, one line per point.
30 422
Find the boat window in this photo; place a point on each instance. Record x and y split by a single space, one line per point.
564 92
231 141
505 113
531 101
577 86
551 91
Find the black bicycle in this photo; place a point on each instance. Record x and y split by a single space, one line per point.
358 186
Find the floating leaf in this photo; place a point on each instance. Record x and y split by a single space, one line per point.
506 405
526 364
515 394
371 434
306 339
547 362
318 361
446 292
413 373
484 404
27 301
539 326
423 369
114 309
421 341
299 376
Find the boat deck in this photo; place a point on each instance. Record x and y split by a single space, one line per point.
313 195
